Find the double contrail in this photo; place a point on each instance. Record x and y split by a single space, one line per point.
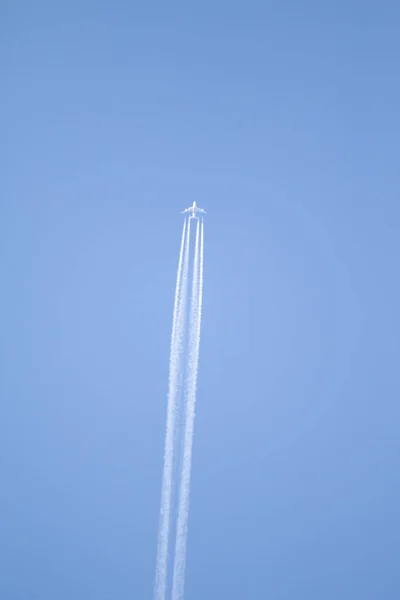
183 368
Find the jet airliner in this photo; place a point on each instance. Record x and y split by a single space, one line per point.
194 210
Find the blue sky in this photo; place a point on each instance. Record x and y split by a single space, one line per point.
282 120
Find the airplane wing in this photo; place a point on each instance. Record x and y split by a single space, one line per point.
194 210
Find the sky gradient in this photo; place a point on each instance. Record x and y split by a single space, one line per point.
282 121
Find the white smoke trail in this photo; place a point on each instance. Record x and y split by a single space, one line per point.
175 368
190 400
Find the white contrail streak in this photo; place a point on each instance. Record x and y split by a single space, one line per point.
190 402
175 368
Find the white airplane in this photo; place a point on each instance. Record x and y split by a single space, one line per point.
195 210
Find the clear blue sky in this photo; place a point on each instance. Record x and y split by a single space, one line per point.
282 120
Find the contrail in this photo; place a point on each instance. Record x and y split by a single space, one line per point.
190 405
175 368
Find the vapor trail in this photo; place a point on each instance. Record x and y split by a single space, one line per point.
190 402
175 368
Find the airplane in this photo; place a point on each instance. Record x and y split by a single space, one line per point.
195 210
